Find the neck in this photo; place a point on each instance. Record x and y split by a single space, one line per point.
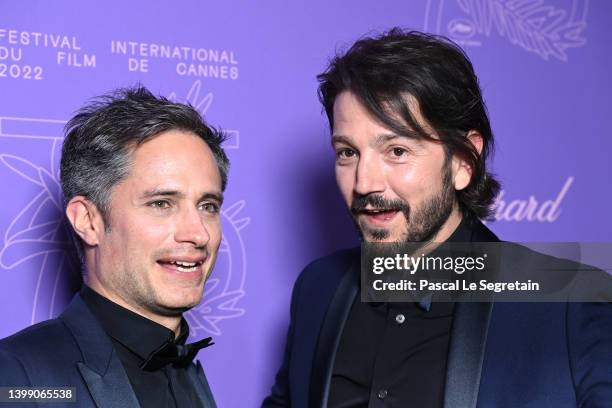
447 229
170 322
449 226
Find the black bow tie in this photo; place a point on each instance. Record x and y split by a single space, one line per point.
172 353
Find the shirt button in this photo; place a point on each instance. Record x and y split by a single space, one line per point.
382 394
400 318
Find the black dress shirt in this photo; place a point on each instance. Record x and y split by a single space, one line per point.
135 338
394 354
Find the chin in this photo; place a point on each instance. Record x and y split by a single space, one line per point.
390 236
181 300
188 301
174 308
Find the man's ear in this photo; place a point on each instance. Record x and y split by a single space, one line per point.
86 219
462 171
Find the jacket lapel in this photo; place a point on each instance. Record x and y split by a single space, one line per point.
329 337
196 373
468 340
110 389
466 354
101 368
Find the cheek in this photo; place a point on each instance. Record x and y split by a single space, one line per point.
408 183
345 177
137 233
214 231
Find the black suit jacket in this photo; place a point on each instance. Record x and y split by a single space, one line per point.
500 354
75 351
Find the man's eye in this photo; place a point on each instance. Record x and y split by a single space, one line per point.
161 204
212 208
345 153
398 151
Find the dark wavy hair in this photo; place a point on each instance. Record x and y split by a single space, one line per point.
383 71
96 154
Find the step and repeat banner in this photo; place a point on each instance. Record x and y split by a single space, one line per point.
250 68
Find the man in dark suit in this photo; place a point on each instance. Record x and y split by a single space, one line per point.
143 179
412 137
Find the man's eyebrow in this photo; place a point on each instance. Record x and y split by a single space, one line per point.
380 140
386 137
340 139
161 193
215 196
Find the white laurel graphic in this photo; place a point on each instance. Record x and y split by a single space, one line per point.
536 26
38 233
222 294
202 104
37 236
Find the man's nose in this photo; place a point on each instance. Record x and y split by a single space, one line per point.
369 177
192 229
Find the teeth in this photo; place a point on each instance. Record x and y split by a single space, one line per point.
185 264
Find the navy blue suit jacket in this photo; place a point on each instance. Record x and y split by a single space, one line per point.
500 354
75 351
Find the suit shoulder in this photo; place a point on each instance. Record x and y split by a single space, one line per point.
525 254
46 335
559 274
330 266
538 260
43 354
12 370
325 273
26 354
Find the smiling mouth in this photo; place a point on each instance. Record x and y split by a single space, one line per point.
379 215
182 266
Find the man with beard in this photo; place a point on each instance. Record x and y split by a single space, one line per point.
411 136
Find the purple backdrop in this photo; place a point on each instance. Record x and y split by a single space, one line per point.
544 67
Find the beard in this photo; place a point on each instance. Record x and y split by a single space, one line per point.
422 223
